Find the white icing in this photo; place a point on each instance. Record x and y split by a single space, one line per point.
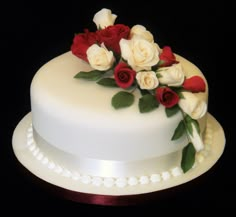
109 182
30 141
109 168
177 171
58 169
39 156
75 176
66 173
155 178
119 182
195 164
86 179
32 147
144 180
51 165
45 160
132 181
81 125
30 130
30 135
36 151
97 181
200 157
165 175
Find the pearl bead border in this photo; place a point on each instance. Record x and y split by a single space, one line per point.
109 182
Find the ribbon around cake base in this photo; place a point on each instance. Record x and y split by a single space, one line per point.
107 168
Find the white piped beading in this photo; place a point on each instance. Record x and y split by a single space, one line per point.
119 182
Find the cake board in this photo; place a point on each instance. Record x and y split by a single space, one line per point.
71 188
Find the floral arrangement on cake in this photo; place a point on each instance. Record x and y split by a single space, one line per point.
129 58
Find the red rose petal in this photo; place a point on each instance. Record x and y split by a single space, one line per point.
124 75
82 42
167 57
195 84
167 97
112 35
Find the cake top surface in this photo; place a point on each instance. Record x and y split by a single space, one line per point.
81 97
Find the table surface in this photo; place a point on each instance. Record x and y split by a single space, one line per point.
33 34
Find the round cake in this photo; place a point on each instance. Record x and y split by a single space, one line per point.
117 111
74 121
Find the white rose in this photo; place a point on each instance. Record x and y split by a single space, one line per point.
196 138
104 18
192 105
147 80
139 53
139 30
99 57
171 76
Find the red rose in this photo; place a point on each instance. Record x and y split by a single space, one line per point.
124 76
112 35
195 84
167 97
167 57
82 42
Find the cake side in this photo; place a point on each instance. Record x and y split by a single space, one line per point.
75 117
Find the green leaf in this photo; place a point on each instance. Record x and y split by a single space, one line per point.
196 124
108 82
158 75
181 96
92 75
143 91
176 89
179 131
187 118
155 67
172 111
147 103
188 124
188 157
122 99
160 62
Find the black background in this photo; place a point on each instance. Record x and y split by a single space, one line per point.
33 33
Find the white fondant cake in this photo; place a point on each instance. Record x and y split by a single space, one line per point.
145 127
75 123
